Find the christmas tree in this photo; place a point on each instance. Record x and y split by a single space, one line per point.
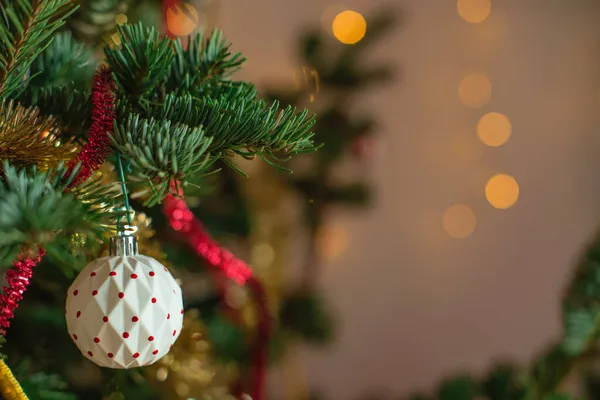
95 144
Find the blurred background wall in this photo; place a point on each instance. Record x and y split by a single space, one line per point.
414 302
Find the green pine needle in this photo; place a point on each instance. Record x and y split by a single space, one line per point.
36 206
26 29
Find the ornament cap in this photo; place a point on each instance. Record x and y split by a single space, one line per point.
125 245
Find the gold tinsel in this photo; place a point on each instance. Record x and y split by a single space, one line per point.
26 138
9 387
189 371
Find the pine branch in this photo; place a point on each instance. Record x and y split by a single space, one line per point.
71 107
35 206
203 60
26 29
63 62
240 124
161 152
142 61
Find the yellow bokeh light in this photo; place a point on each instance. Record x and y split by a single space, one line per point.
182 22
494 129
349 27
475 90
474 11
459 221
502 191
121 19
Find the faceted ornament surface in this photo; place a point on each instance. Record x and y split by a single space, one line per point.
124 311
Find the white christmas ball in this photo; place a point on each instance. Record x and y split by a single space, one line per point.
124 311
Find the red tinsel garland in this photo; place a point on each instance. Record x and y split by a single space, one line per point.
18 279
91 156
182 220
98 147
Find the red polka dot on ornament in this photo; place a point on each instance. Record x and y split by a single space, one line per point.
182 311
125 335
78 314
136 355
150 338
95 292
134 276
113 273
110 355
151 273
174 332
90 354
93 274
75 293
165 268
155 352
105 319
75 336
121 295
154 299
134 319
168 316
96 340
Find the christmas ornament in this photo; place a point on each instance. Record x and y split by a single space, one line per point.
125 310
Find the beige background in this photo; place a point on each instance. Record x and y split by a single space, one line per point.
414 303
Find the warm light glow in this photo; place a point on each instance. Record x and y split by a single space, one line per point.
459 221
474 90
474 11
494 129
121 19
349 27
262 254
502 191
182 22
331 241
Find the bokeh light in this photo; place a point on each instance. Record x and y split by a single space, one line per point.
121 19
349 27
459 221
502 191
474 90
182 22
494 129
474 11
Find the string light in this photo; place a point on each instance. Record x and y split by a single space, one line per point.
474 11
349 27
459 221
502 191
494 129
182 22
474 90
